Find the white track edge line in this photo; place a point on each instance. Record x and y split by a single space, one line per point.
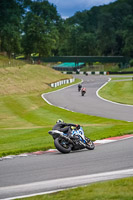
56 91
109 100
99 176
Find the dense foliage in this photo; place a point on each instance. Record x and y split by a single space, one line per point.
103 30
28 26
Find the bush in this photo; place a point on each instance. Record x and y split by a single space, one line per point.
131 63
97 63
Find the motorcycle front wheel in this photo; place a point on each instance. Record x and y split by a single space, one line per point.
90 145
62 146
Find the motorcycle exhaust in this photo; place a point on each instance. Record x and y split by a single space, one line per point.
58 133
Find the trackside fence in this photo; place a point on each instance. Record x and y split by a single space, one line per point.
62 82
88 72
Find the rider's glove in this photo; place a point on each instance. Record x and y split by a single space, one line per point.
77 126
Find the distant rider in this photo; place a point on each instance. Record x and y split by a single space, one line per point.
79 87
83 89
64 127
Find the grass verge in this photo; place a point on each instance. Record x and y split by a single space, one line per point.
111 190
120 91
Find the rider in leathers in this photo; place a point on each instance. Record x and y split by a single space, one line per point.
64 127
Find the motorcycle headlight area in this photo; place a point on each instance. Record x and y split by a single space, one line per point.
79 133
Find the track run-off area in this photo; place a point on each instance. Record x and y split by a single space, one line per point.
53 171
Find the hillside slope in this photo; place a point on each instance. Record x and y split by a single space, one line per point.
28 79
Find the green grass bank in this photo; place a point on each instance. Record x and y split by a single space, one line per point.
118 90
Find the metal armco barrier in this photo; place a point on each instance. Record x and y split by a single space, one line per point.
66 81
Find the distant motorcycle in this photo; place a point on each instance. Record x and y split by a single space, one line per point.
83 91
79 87
77 141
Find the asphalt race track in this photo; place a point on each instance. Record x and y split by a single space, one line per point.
35 174
23 176
90 104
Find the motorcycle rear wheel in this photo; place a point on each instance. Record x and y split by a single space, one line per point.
83 93
90 145
58 142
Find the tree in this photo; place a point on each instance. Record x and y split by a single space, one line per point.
128 36
87 44
10 26
107 29
40 29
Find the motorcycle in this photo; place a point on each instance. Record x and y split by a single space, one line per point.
79 87
77 141
83 91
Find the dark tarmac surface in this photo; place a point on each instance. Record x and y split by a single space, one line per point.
91 104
